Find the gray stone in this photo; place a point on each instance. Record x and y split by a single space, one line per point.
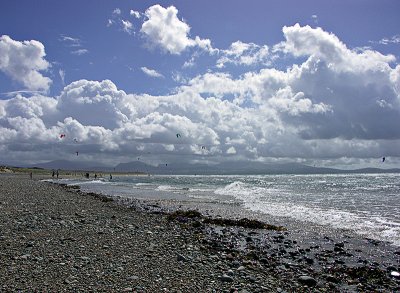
307 280
226 278
236 264
241 268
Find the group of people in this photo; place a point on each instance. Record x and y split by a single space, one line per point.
55 173
95 176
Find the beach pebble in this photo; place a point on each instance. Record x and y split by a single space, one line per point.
331 279
309 260
85 258
395 274
132 278
180 257
251 278
241 268
226 278
236 264
307 280
25 256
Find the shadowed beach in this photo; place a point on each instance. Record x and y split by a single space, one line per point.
55 238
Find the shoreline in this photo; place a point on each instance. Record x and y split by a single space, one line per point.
53 232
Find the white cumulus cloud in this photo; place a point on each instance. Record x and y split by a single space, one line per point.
23 62
163 29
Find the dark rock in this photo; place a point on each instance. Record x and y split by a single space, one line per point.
180 257
264 260
307 280
252 279
309 260
339 244
331 279
339 261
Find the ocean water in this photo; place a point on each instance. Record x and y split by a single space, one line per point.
366 204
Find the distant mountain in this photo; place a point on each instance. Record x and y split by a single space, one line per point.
374 170
226 168
135 166
239 168
68 165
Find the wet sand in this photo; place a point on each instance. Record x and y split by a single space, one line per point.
59 239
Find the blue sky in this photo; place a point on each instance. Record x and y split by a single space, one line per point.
255 80
117 55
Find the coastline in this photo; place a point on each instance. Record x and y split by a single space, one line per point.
56 238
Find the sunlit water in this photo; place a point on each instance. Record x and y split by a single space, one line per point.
367 204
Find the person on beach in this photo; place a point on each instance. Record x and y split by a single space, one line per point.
53 173
110 177
30 175
95 176
57 173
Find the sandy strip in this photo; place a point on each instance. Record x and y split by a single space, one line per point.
55 239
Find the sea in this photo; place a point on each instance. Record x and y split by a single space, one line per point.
364 204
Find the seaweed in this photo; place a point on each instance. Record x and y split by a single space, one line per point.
244 222
179 214
184 216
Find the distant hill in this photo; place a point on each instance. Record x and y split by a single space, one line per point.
68 165
226 168
239 168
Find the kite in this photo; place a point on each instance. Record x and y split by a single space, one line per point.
62 135
178 135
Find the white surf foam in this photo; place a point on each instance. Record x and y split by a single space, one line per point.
268 201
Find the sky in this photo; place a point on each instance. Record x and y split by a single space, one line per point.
200 82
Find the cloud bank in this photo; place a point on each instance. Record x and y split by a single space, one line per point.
334 104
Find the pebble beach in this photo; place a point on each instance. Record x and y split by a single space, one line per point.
55 238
